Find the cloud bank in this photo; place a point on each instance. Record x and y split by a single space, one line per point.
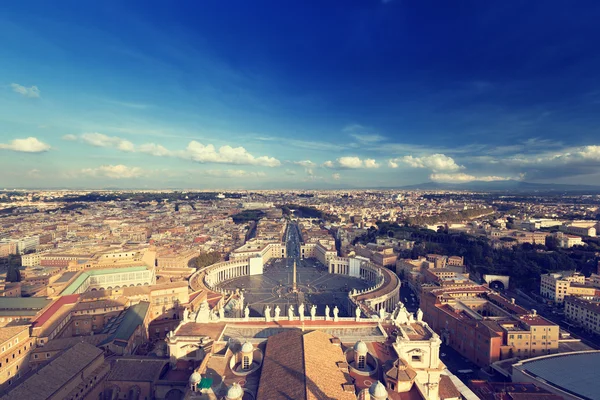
27 145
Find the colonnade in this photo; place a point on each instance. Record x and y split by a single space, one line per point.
217 273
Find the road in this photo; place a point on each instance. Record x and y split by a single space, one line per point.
555 314
292 243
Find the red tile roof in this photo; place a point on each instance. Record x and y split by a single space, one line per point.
50 311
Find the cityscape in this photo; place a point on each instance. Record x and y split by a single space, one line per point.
360 200
298 294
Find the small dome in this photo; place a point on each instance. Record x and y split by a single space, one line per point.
247 348
360 347
378 391
235 392
195 377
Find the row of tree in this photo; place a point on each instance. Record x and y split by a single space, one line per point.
523 263
308 212
450 216
205 259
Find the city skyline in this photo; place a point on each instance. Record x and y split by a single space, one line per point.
270 95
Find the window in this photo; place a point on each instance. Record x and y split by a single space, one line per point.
246 363
416 358
361 362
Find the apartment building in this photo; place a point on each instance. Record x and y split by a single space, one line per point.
258 248
567 241
76 373
581 228
485 327
31 260
556 286
584 312
175 259
15 346
7 248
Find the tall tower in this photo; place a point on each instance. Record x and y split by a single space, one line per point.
294 288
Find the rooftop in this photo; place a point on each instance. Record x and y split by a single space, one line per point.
53 376
136 369
48 313
8 332
575 373
72 288
23 303
123 326
303 365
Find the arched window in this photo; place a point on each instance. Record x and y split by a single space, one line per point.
361 362
246 362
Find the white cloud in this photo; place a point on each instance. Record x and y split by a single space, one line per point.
290 172
336 177
576 155
305 163
368 137
155 150
69 137
462 178
353 128
198 152
31 91
392 164
102 140
370 163
590 153
351 162
434 162
234 173
114 171
28 145
194 151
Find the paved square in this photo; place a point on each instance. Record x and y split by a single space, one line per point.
315 285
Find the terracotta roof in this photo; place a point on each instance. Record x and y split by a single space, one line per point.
53 376
46 315
8 332
400 371
300 365
282 375
447 390
213 330
65 343
136 369
323 376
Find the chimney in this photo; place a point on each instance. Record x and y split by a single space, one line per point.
534 312
512 300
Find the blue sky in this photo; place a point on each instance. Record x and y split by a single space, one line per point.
298 94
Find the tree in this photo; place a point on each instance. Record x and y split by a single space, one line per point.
205 259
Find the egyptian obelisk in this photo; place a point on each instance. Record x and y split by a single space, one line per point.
294 288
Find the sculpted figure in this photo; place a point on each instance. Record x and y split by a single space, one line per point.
277 312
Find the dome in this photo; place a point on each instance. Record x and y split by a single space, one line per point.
235 392
247 348
195 377
360 347
378 391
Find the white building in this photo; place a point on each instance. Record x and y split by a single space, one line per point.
556 286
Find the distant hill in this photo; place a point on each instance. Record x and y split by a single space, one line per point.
510 185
